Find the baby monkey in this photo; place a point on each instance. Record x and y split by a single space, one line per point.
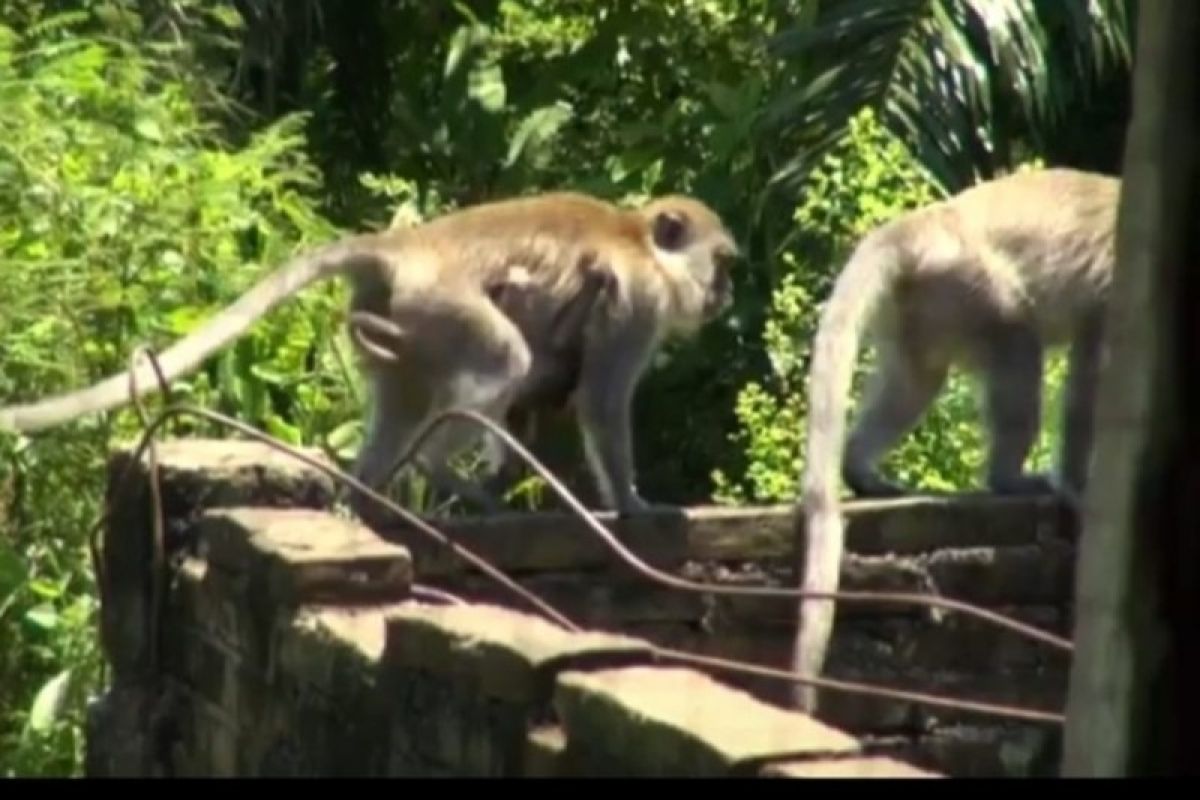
554 370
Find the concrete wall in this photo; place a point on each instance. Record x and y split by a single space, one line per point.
1012 556
290 644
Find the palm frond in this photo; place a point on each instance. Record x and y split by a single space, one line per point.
958 80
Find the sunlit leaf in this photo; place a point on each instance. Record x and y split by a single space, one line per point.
149 128
48 704
536 130
43 616
486 86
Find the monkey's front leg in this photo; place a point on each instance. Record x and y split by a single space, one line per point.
610 370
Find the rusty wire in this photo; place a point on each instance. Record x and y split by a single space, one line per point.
158 556
630 559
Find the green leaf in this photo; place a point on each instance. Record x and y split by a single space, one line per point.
149 129
13 571
536 130
43 616
728 100
48 704
486 87
45 589
460 43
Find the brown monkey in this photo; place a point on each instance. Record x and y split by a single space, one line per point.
670 260
986 279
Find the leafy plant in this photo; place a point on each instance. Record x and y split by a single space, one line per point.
126 220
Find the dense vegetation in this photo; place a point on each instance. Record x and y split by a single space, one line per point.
156 157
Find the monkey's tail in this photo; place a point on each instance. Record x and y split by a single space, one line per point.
339 257
855 295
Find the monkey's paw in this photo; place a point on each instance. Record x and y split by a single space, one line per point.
871 484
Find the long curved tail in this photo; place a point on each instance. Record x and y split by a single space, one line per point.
190 352
855 295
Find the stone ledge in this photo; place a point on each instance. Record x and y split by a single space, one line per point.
323 646
305 556
666 721
667 537
504 653
544 749
868 767
1004 576
1042 690
230 472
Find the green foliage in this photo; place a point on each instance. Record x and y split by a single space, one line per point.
125 221
968 84
865 180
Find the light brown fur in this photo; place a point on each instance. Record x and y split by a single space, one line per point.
986 279
556 363
669 260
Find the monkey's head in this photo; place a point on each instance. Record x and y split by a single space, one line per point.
697 251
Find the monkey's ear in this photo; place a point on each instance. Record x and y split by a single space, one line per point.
670 229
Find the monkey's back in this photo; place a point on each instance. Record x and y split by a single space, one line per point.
1034 246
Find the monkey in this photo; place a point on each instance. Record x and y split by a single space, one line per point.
986 280
548 388
671 260
554 371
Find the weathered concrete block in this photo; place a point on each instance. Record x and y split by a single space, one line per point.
550 541
304 556
901 526
593 599
992 751
325 714
887 573
920 524
219 473
193 474
862 767
504 653
650 721
119 744
544 751
863 714
1026 575
469 681
956 642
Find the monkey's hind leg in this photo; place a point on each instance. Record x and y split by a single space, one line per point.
459 352
453 437
396 410
1013 385
1079 407
901 389
486 361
